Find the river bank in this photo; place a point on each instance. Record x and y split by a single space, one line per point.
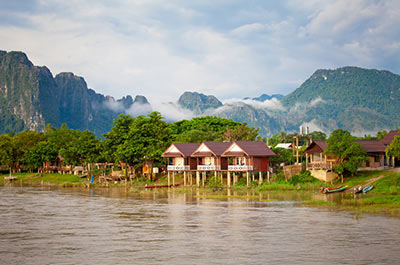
383 199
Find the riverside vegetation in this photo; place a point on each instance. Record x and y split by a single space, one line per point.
383 199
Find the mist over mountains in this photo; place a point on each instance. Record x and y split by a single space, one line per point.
355 99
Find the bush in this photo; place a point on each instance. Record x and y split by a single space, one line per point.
215 183
303 177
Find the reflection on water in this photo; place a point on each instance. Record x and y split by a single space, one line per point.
116 226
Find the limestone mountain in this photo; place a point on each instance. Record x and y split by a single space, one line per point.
30 98
265 97
197 102
351 98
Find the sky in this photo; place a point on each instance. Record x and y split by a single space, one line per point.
230 49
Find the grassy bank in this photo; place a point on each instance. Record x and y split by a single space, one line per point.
33 179
384 198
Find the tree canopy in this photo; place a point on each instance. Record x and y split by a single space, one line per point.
350 154
394 148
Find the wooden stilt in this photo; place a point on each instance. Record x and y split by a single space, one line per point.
234 178
248 178
268 175
173 178
184 178
169 178
260 179
228 179
203 178
252 176
198 178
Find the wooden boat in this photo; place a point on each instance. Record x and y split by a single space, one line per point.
160 186
357 189
332 190
368 188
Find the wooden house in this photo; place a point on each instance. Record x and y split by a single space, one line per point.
179 156
57 166
248 157
208 156
376 153
319 164
387 140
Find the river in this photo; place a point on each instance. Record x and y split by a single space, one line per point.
115 226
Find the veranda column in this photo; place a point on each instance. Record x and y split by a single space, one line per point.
260 179
198 178
228 180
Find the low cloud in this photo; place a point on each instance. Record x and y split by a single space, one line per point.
137 109
272 104
172 112
316 101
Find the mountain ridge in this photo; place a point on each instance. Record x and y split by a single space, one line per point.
351 98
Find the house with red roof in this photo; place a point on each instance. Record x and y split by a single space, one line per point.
387 140
218 157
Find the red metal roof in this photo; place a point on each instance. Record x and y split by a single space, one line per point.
388 139
217 148
252 148
186 149
372 146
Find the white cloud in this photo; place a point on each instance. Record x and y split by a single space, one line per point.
161 49
272 104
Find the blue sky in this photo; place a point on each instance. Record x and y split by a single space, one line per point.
231 49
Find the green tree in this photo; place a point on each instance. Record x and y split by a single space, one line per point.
241 133
283 156
318 135
350 154
201 129
394 148
42 152
148 137
7 151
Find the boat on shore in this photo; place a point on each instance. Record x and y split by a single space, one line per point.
332 190
357 189
368 188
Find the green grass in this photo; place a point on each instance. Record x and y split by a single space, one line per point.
384 198
48 179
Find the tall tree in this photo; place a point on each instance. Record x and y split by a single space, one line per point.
394 148
349 154
241 133
8 151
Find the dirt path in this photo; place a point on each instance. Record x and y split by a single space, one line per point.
369 182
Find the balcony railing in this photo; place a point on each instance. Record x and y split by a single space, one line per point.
321 165
208 167
178 168
240 168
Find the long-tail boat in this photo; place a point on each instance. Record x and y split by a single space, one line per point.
332 190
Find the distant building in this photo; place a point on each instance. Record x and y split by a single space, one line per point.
284 145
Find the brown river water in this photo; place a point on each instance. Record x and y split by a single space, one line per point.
114 226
